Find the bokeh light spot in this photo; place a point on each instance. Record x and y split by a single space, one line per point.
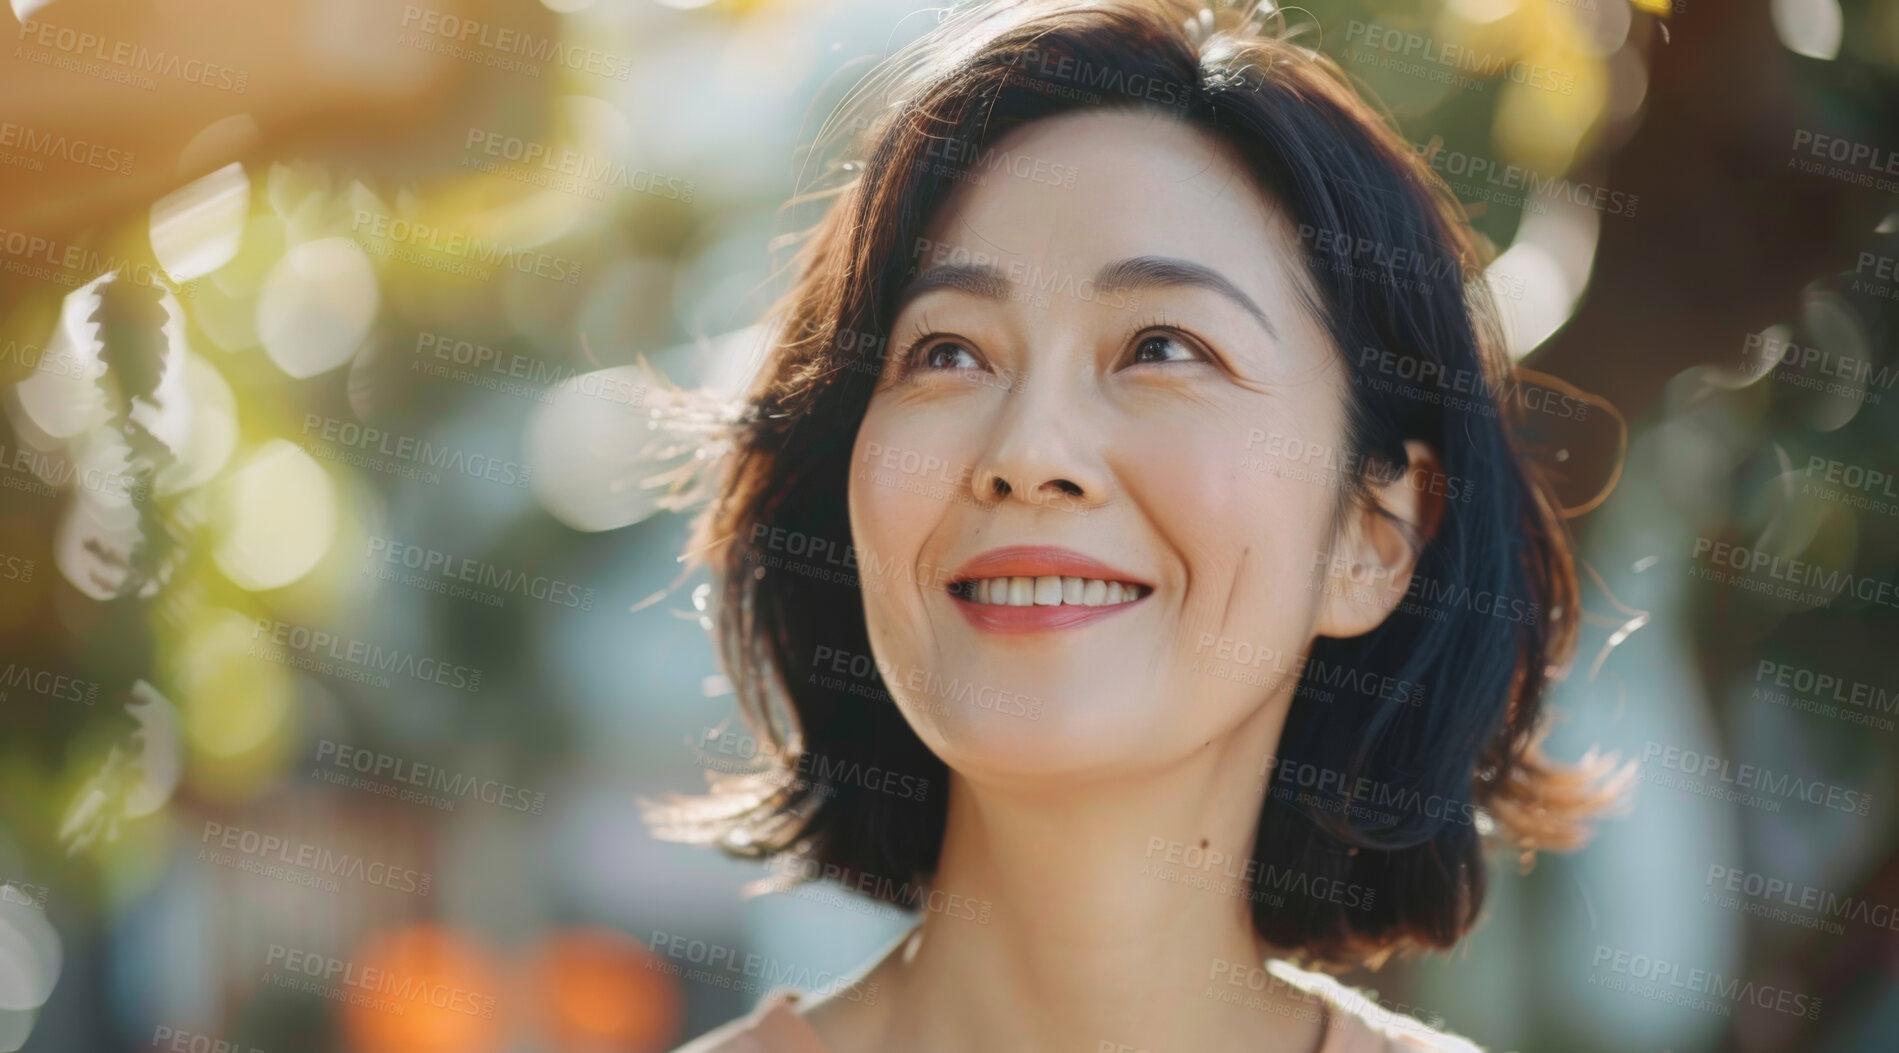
452 990
279 510
317 305
1810 27
197 228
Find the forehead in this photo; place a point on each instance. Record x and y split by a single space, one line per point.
1106 184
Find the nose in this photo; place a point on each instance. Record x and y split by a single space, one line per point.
1040 453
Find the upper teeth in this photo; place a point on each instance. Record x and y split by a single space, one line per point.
1049 590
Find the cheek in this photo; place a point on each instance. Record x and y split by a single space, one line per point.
902 483
1246 532
1212 488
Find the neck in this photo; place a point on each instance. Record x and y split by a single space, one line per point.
1116 913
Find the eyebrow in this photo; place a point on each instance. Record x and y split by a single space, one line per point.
1134 272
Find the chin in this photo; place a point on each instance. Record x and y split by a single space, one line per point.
990 722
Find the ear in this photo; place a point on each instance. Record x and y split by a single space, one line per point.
1376 549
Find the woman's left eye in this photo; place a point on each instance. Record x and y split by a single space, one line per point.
1163 347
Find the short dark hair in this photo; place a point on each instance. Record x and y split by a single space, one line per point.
1498 613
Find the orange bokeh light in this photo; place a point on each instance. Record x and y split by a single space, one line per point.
597 992
436 991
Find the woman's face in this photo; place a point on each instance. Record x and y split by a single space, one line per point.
1102 371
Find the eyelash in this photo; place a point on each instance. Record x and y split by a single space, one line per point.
927 340
1156 325
922 340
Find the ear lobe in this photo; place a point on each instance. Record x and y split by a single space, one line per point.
1376 550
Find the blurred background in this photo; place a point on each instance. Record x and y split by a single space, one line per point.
344 629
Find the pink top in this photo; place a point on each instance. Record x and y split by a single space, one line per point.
1353 1024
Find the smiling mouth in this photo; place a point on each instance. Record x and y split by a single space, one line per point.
1048 590
1041 588
1045 603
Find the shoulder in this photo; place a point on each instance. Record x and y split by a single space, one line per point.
1360 1025
773 1027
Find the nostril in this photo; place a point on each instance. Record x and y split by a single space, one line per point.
1002 487
1068 488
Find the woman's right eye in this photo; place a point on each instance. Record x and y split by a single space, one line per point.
945 355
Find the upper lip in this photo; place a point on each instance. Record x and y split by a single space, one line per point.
1036 561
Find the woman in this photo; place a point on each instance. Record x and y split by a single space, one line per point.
1195 604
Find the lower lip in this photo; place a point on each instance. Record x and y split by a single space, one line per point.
1003 618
